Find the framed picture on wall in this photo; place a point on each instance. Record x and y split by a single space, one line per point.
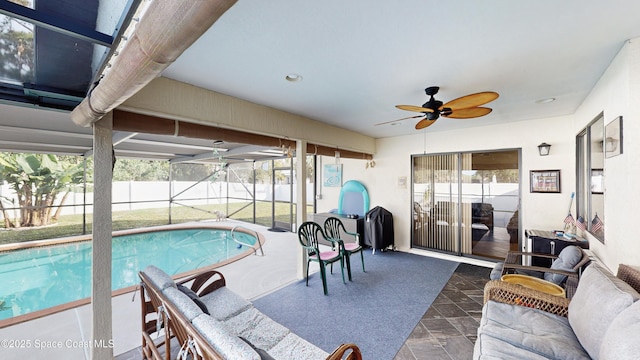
332 175
545 181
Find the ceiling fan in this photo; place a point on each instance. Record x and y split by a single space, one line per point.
464 107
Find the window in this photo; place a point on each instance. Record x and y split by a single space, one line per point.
590 176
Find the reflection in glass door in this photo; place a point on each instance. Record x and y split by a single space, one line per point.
282 195
466 203
435 204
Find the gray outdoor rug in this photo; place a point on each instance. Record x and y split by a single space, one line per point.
377 310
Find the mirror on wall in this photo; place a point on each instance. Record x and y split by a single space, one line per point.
590 178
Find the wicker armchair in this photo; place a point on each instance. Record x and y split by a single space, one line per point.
514 260
508 293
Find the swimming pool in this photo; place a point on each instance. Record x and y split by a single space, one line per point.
43 277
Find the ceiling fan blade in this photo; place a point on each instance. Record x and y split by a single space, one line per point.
424 123
471 100
396 120
414 108
468 113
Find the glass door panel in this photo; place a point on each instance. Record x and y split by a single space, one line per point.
282 200
435 202
466 203
494 194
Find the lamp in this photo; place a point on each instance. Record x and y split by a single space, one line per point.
610 144
544 149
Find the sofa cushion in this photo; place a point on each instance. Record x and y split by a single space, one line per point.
529 329
600 297
488 347
264 355
258 328
568 258
223 340
224 303
295 347
621 340
194 297
184 304
160 279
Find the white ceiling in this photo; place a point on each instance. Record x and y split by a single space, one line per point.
360 58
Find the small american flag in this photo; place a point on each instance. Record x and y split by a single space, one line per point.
580 224
596 224
569 219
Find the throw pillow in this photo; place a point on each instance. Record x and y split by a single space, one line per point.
619 342
193 296
568 258
599 299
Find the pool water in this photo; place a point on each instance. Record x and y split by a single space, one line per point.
42 277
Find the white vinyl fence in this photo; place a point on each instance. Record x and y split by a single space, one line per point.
135 195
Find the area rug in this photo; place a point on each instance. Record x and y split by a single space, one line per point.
377 310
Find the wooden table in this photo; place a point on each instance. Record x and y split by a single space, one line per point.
534 283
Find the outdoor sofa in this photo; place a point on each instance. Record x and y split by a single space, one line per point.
601 321
232 329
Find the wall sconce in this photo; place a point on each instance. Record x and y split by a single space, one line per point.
544 149
370 164
610 144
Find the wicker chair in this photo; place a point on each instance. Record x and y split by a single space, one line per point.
508 293
514 260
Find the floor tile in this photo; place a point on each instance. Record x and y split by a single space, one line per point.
448 329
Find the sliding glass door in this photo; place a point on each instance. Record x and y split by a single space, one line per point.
466 203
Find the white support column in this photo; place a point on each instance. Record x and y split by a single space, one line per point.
301 203
101 326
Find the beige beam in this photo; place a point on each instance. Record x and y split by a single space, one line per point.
133 122
101 326
301 203
168 98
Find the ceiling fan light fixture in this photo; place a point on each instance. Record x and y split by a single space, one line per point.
433 115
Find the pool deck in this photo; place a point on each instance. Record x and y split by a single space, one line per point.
64 335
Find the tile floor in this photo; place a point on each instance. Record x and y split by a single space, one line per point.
447 330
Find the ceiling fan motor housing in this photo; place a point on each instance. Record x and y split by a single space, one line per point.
432 115
434 105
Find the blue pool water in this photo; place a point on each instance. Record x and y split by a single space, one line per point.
42 277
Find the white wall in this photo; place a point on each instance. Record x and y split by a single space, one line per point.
393 161
523 134
617 93
351 170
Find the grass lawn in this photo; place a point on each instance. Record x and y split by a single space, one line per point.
70 225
